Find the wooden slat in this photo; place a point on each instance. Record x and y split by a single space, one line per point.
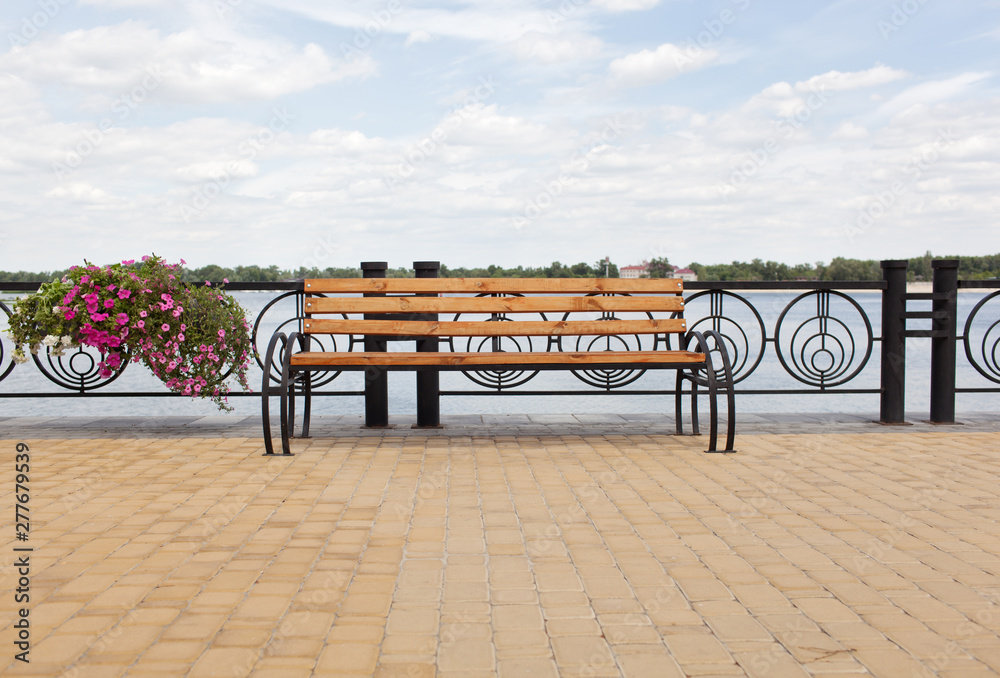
513 328
472 359
495 285
492 304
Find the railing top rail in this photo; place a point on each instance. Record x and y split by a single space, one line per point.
786 285
284 285
791 285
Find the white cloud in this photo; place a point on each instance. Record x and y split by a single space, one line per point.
848 131
81 192
665 62
126 4
483 126
417 37
784 100
490 22
835 81
929 93
550 49
189 66
625 5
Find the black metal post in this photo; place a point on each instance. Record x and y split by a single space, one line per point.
945 324
892 406
376 379
428 381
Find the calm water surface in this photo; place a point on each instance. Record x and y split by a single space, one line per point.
768 375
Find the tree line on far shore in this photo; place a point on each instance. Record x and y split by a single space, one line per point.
970 268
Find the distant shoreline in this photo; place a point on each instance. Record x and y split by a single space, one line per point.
911 288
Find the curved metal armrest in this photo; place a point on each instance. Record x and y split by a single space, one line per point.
265 388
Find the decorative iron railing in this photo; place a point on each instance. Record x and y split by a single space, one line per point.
822 341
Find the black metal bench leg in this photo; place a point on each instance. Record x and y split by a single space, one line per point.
679 404
307 405
291 406
695 424
265 390
728 385
713 407
305 342
287 393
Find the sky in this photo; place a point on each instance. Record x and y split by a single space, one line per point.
509 132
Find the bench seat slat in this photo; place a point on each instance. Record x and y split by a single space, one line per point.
359 358
662 304
495 285
512 328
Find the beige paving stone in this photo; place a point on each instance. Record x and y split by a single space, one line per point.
419 621
697 649
527 668
737 627
348 658
891 662
826 610
583 654
466 656
517 617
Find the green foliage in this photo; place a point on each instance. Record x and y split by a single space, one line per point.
553 270
757 269
659 268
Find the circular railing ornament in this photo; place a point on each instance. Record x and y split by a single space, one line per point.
822 350
987 360
288 321
742 329
499 380
5 352
77 369
607 379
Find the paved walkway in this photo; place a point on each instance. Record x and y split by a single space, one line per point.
528 554
470 425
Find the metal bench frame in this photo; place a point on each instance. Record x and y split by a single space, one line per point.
701 361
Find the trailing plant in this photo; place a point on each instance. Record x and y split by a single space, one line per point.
191 337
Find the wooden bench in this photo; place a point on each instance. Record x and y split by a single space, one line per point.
566 314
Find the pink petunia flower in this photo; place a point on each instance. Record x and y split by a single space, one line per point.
165 327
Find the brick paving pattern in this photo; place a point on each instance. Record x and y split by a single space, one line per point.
830 554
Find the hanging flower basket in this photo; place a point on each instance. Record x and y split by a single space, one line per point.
192 337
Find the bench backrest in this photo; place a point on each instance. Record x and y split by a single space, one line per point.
563 296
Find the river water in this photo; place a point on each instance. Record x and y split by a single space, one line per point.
768 375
